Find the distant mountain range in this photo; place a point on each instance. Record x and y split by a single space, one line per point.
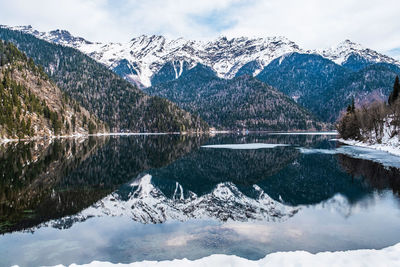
323 81
143 57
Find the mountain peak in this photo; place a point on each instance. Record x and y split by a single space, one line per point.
147 38
19 28
346 49
59 31
348 44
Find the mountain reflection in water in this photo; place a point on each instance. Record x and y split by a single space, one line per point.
153 179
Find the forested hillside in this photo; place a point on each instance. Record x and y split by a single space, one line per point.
239 103
326 88
115 101
32 105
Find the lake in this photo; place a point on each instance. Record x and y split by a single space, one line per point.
159 197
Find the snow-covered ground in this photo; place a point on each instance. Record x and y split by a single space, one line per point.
391 146
389 139
389 256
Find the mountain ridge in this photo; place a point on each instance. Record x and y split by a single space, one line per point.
142 57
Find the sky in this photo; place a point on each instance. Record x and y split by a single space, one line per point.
310 23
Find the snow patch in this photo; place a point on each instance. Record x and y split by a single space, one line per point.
306 133
245 146
317 151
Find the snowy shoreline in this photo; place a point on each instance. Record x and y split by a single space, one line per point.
392 147
389 256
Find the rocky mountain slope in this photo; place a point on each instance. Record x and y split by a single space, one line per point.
142 57
238 103
32 105
115 101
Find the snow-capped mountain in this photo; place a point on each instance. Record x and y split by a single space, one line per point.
146 55
142 57
61 37
146 203
347 51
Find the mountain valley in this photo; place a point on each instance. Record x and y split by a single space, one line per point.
214 80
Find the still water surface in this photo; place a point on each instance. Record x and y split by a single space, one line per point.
133 198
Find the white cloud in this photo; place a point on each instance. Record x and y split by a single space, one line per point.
311 23
319 23
82 17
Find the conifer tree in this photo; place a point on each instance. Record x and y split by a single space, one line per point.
348 109
395 93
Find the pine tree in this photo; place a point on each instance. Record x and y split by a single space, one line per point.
348 109
394 95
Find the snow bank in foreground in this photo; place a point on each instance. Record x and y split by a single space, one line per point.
245 146
392 146
366 257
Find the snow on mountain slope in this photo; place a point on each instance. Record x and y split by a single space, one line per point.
61 37
341 53
147 54
142 57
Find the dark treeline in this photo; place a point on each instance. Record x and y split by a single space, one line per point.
373 122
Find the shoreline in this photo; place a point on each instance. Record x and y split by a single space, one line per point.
50 137
389 148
